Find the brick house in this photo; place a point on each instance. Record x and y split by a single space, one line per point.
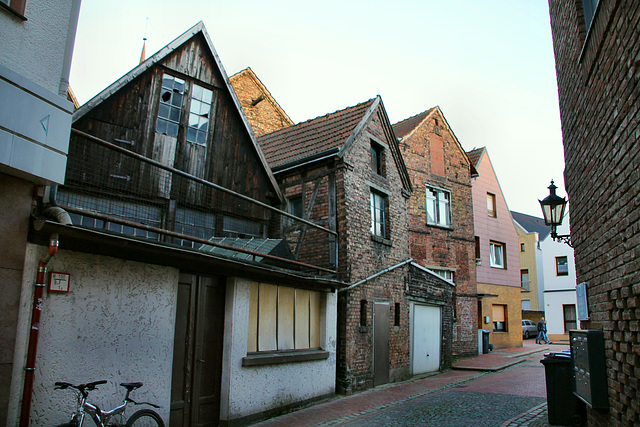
346 170
597 48
497 257
441 233
261 109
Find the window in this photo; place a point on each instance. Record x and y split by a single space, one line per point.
376 158
194 223
499 317
491 205
242 228
283 318
378 214
295 206
569 315
445 274
478 257
438 207
589 9
17 6
524 279
496 255
363 313
562 266
522 247
199 115
396 312
170 107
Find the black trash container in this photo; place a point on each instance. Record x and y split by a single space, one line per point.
485 341
563 406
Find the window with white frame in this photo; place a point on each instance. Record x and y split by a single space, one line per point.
170 108
445 274
524 279
283 318
378 214
497 254
438 207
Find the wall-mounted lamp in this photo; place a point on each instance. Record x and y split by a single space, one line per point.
553 211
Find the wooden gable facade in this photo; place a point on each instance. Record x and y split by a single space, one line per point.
178 109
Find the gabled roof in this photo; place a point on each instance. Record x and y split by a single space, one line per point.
329 135
475 155
532 224
265 95
406 127
322 135
199 28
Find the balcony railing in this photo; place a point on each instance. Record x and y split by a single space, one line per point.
112 188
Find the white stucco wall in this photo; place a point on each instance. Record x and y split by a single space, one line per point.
257 389
116 323
36 48
554 312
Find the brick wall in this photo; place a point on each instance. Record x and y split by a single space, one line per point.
598 83
432 143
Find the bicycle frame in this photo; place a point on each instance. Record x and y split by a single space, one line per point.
100 418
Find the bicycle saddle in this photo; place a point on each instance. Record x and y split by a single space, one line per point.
131 386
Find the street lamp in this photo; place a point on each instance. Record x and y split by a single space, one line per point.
553 211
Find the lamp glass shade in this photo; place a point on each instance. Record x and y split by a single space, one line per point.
553 207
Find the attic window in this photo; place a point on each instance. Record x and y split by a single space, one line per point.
170 106
199 115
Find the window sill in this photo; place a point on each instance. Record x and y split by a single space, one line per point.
443 227
381 240
277 357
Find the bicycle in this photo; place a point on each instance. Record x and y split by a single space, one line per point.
143 417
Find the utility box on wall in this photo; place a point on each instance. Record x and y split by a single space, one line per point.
589 370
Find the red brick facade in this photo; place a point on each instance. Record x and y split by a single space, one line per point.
598 72
435 159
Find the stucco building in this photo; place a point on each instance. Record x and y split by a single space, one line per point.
497 257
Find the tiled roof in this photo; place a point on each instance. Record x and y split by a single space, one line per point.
310 138
474 155
403 128
532 224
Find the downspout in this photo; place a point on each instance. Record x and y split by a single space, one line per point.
68 51
36 313
379 273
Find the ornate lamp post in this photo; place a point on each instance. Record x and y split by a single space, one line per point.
553 207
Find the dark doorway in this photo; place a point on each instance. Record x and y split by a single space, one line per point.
197 352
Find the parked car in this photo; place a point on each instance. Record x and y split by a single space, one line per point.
529 328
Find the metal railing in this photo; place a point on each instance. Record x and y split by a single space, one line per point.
112 188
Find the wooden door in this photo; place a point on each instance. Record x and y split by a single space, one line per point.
381 326
197 356
426 338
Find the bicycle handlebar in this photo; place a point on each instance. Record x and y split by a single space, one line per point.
82 388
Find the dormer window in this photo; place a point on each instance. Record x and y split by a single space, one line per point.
170 107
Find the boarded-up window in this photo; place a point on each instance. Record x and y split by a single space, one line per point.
283 318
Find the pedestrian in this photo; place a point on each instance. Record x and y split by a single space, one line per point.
540 327
544 332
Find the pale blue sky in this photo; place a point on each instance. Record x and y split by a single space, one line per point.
488 64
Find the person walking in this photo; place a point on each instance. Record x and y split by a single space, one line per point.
544 332
539 328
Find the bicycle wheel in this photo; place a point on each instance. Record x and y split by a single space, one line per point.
145 418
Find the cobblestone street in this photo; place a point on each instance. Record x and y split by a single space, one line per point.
505 388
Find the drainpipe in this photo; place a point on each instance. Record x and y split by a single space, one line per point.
379 273
35 327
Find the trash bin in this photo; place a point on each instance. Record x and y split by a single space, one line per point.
564 408
485 341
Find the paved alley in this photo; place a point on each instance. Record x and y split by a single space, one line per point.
503 388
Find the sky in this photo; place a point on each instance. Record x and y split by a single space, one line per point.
487 64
